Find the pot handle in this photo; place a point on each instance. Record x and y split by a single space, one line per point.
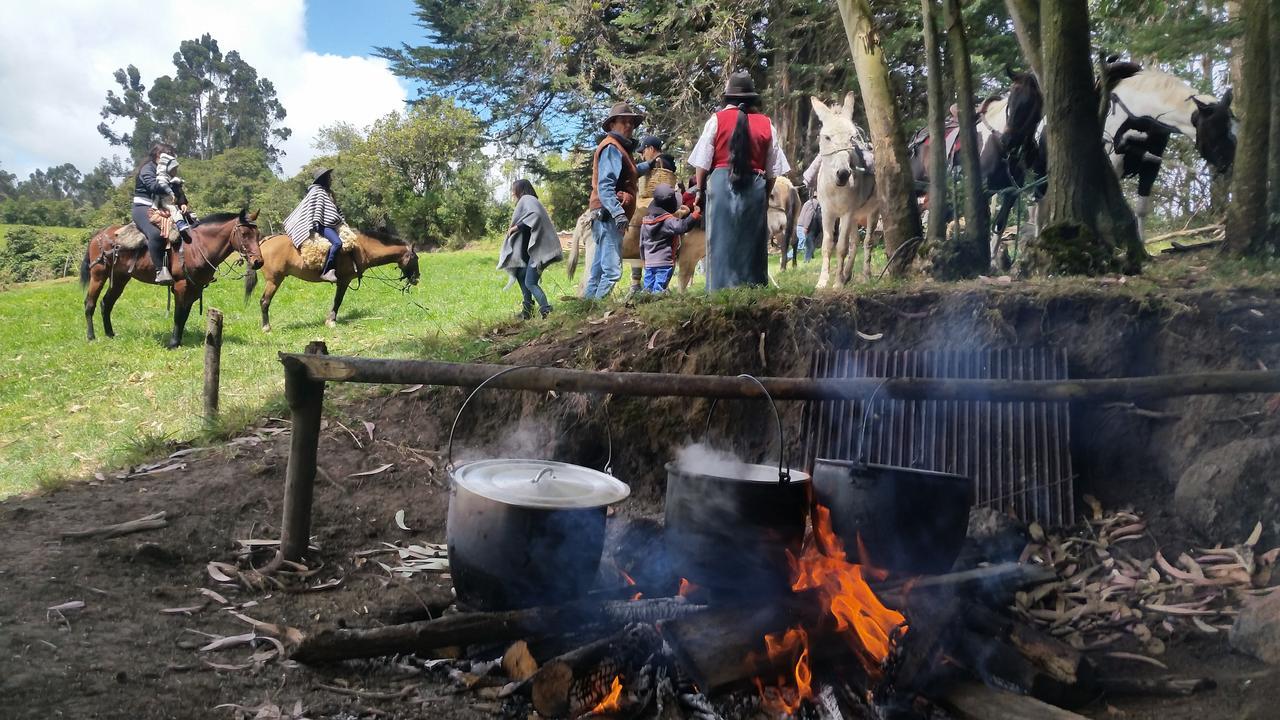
866 412
608 423
784 475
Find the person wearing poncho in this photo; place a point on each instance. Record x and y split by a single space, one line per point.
318 213
737 158
530 246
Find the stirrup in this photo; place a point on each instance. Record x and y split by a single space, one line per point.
164 277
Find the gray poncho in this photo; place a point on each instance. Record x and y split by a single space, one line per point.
544 245
317 208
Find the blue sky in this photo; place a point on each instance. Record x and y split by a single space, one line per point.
351 27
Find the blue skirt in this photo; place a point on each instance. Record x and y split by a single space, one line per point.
737 232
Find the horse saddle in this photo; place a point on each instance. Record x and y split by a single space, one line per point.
129 237
316 248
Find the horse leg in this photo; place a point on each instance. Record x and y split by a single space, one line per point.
1007 200
828 239
183 300
268 292
109 302
1141 210
97 277
343 284
847 225
867 244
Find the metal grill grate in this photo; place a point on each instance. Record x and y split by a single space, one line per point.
1017 453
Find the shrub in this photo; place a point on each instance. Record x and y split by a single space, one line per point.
30 253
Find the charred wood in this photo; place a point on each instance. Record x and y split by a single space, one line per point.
579 680
978 702
482 627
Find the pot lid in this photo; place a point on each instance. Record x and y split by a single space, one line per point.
540 484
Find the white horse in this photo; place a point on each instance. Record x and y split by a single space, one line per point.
846 190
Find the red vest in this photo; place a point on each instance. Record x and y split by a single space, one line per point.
628 178
761 132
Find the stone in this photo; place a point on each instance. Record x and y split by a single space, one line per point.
1256 631
1230 488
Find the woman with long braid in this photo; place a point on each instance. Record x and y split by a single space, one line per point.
737 158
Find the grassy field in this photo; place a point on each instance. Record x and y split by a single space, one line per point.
69 407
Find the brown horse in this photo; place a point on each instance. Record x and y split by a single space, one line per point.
281 259
212 241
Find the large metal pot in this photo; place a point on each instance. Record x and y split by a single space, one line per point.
907 520
525 532
729 528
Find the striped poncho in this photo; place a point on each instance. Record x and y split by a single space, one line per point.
317 208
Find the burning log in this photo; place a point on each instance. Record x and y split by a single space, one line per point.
481 627
591 677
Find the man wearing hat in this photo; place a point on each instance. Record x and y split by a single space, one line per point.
736 158
318 213
614 183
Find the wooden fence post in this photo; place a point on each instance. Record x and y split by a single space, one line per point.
212 364
306 401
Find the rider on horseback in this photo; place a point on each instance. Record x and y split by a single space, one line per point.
318 213
156 189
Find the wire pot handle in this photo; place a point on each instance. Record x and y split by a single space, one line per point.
608 430
866 413
784 475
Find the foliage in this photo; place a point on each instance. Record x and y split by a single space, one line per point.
212 102
31 253
563 185
25 211
419 174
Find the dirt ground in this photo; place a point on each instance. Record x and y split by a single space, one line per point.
121 657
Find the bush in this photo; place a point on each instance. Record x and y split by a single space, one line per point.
30 253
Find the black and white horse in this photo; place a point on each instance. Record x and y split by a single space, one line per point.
1147 106
1008 150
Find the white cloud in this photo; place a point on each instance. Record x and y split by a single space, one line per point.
57 57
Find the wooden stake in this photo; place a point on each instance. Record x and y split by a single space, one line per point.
306 401
154 521
212 364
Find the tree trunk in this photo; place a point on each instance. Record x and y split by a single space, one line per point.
1273 147
1026 26
1090 228
937 159
970 254
894 184
1247 215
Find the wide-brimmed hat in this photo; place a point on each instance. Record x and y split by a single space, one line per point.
319 173
620 110
740 87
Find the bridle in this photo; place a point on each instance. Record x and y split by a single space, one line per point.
857 146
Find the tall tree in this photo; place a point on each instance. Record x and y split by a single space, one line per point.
970 251
212 102
1025 15
1090 228
1247 214
894 184
8 184
937 231
1273 142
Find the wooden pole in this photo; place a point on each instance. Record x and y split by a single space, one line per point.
212 364
542 379
305 396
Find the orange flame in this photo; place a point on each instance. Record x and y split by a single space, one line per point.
625 576
686 588
788 693
845 594
637 596
611 701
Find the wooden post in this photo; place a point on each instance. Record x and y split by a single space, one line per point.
212 364
306 400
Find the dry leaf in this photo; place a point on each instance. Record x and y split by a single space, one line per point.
71 605
412 389
374 471
230 641
1254 536
219 571
182 610
214 596
869 338
368 427
400 520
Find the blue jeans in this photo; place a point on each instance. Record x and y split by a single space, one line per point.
528 278
606 263
802 244
656 279
335 247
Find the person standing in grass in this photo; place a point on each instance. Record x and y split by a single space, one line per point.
660 233
530 246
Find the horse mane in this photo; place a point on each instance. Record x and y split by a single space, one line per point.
220 217
385 238
1121 70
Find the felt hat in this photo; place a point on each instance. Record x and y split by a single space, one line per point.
620 110
740 87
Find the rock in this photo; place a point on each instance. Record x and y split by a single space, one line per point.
1256 631
1229 489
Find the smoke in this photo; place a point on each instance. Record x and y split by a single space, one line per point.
702 459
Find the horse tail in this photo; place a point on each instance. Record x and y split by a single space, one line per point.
84 266
740 150
250 282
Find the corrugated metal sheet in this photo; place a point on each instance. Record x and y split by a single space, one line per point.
1017 453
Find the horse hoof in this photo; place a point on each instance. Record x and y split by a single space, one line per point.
172 345
266 328
331 323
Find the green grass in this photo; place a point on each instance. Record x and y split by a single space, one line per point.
69 407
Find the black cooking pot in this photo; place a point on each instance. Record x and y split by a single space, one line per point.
912 521
524 532
729 525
